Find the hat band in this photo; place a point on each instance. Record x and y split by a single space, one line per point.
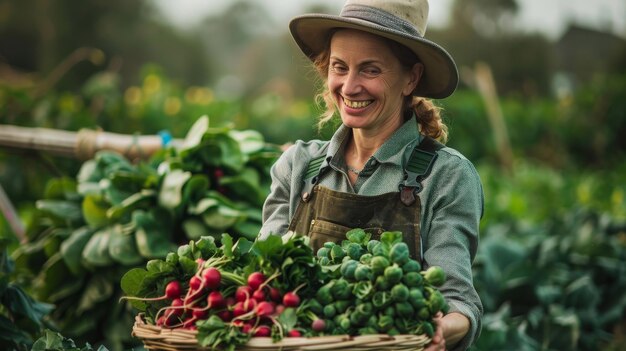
379 17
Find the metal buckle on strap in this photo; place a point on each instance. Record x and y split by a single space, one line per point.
407 195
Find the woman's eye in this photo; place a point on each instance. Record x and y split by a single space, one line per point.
371 71
339 69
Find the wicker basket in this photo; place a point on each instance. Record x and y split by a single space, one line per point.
157 338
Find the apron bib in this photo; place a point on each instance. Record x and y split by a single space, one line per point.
326 215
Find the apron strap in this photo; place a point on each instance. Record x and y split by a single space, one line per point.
417 168
312 175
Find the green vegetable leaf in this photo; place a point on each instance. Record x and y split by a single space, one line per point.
171 194
123 247
94 210
152 235
96 252
72 249
131 284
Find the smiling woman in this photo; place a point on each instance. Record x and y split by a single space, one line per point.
386 167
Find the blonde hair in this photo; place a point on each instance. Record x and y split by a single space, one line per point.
427 114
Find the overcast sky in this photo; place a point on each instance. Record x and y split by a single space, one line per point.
548 16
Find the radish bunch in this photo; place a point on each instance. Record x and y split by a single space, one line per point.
239 291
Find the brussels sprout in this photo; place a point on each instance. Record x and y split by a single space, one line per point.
381 299
348 268
381 283
411 266
324 295
323 252
366 258
354 251
385 323
393 274
363 273
371 245
412 279
329 245
399 253
341 290
330 311
337 254
315 306
325 261
404 309
423 313
400 293
416 298
344 322
436 301
342 305
378 264
358 236
435 276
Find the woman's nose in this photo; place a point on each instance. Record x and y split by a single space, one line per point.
352 83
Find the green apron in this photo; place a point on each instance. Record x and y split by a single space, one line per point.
326 215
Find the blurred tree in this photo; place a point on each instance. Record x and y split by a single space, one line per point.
481 31
36 35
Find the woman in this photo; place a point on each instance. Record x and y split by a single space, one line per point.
383 168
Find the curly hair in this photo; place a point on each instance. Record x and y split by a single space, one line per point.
427 114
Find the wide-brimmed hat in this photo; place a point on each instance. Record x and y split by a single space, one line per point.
403 21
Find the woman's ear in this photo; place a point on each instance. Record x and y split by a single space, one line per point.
415 74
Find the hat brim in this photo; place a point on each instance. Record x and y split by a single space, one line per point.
440 76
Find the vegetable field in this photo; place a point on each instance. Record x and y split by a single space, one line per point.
550 270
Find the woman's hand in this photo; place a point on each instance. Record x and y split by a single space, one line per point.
438 342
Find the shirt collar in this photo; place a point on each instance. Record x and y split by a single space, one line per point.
390 151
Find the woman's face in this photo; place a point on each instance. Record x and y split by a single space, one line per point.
367 82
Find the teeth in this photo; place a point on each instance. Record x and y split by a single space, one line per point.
356 104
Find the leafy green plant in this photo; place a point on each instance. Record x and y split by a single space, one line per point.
88 231
555 285
21 316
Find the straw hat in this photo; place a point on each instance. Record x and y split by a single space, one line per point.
403 21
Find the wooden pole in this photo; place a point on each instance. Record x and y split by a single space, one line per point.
83 144
486 86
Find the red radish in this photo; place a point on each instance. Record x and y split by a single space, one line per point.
279 309
190 322
275 295
225 315
291 299
218 173
195 283
255 280
264 309
246 328
160 321
172 291
318 325
212 278
262 330
249 305
215 300
243 293
177 307
259 295
238 309
230 301
294 333
200 261
199 313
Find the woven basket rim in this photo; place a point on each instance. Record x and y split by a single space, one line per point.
158 338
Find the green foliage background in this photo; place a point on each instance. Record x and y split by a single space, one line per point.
551 263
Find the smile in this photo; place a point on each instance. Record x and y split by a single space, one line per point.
357 104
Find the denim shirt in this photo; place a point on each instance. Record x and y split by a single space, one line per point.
452 204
